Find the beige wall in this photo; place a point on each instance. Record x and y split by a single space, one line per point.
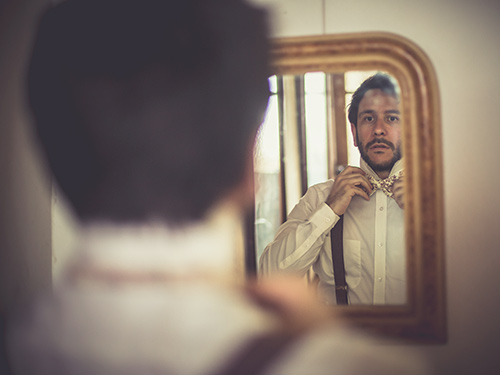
461 38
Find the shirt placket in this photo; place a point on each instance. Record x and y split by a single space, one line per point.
380 248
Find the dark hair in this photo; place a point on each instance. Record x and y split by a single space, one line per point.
147 108
378 81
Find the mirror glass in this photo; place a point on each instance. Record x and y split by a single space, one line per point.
306 139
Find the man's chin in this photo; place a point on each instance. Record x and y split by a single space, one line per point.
380 166
380 161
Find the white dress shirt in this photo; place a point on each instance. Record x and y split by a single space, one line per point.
374 245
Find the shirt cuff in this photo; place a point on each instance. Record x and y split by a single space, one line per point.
324 218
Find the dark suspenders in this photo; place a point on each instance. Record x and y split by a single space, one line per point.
337 238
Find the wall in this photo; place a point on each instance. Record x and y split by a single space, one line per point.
461 40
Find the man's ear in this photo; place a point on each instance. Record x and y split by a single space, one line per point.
243 193
248 183
354 134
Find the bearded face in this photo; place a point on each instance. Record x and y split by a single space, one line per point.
379 144
377 133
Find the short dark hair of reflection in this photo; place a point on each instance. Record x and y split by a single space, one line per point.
380 81
147 108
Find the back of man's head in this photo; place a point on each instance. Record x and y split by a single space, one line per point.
147 108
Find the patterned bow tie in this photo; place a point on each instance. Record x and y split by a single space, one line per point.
386 184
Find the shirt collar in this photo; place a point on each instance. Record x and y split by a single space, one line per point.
206 249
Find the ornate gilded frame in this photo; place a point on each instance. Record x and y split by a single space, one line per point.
423 319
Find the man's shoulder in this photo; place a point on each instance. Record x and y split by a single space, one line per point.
321 188
322 185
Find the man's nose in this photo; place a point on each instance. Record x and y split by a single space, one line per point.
379 129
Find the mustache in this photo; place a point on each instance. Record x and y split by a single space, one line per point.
380 140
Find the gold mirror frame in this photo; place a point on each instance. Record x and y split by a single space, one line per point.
423 319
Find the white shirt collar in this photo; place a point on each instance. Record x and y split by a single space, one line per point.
205 248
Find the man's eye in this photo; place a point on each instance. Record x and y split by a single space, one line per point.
393 118
369 118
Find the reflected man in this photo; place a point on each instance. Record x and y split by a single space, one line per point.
370 199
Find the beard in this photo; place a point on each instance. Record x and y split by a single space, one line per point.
380 167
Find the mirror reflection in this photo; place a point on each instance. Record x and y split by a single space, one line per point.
329 186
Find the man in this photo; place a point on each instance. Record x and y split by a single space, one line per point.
147 111
373 230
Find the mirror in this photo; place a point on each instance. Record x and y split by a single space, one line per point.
422 318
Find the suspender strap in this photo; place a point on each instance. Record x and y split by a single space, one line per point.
337 238
256 357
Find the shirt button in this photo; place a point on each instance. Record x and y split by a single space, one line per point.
381 209
380 244
327 220
379 279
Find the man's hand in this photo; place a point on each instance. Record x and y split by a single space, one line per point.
350 182
399 194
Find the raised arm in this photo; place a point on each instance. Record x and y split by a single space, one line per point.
300 239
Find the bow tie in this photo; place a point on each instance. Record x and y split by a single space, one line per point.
386 184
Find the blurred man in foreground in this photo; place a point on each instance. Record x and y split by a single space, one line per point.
147 111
